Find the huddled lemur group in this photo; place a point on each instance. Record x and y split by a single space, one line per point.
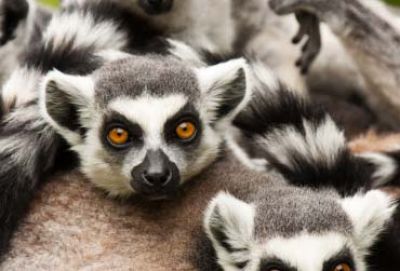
172 102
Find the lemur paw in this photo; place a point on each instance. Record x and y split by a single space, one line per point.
12 12
309 29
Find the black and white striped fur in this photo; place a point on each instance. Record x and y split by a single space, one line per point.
282 131
77 42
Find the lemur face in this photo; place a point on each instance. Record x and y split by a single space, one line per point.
145 125
296 230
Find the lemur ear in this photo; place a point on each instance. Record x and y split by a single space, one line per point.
225 88
229 223
369 213
65 99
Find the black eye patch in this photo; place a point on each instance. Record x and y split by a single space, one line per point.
343 257
187 114
275 264
113 120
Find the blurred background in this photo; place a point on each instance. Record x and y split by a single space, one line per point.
54 3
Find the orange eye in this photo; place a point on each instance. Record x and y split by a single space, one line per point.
342 267
186 130
118 136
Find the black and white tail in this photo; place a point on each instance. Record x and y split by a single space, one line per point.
27 151
386 167
280 130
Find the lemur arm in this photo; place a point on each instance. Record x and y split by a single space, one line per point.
372 42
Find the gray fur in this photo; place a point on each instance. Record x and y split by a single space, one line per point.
372 37
154 75
286 211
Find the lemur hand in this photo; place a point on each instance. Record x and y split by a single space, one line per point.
12 12
308 13
309 26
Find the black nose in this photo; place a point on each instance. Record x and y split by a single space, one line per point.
158 178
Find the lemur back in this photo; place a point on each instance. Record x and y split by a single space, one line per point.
132 235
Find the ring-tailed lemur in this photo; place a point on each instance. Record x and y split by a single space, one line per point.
288 228
76 42
73 50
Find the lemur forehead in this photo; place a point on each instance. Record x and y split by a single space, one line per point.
151 75
288 211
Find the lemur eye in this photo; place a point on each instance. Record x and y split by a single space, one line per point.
342 267
186 130
118 137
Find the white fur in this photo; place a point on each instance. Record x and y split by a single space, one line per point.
212 81
320 143
81 91
20 88
254 164
307 252
237 218
83 31
112 55
263 74
368 213
386 167
185 53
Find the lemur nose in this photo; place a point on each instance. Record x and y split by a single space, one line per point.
159 178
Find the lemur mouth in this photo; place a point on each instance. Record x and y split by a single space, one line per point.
156 7
159 196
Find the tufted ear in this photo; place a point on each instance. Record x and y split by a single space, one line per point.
229 224
369 213
225 89
65 103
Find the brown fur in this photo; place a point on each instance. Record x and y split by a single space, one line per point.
372 142
72 226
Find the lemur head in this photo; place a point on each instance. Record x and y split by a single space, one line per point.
296 230
145 124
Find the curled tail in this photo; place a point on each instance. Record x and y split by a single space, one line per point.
298 139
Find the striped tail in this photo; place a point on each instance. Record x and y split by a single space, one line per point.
28 145
27 152
298 139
